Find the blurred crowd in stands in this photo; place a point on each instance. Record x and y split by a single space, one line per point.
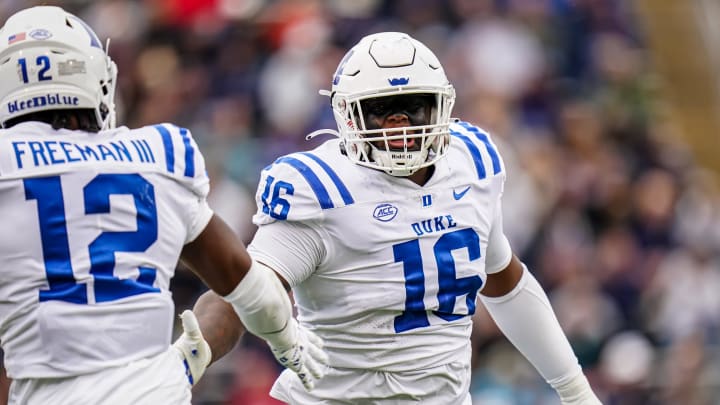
603 201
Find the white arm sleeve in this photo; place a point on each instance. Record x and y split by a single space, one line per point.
263 305
526 318
293 249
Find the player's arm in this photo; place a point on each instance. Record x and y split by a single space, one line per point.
256 295
522 311
219 324
218 257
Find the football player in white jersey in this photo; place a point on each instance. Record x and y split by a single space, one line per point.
96 219
388 235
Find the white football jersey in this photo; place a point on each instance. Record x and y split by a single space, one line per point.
93 228
390 277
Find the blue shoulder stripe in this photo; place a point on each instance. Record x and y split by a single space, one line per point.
312 179
344 192
483 137
189 153
167 143
474 152
170 149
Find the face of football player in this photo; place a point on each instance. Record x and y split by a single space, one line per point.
397 112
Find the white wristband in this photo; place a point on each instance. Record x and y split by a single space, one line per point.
262 304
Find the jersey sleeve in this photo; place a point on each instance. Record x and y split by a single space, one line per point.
487 161
183 158
499 253
184 162
301 246
291 189
478 145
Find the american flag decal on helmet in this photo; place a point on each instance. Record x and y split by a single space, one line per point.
16 38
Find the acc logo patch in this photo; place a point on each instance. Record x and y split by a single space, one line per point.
385 212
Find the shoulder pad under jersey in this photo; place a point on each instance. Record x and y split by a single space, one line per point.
477 143
299 187
179 154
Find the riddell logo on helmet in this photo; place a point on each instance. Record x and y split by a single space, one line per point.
41 101
401 156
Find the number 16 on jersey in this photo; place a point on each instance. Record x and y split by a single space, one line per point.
449 287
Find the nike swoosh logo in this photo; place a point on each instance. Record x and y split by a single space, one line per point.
460 195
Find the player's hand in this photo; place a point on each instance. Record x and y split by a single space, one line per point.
300 350
194 351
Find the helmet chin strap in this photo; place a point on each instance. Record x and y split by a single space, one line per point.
384 158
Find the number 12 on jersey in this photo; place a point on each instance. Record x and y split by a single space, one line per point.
48 193
409 253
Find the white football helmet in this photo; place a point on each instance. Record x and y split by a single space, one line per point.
391 64
49 60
